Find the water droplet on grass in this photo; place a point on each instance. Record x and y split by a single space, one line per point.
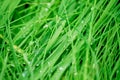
95 49
75 73
91 43
29 62
46 9
61 68
25 69
49 52
24 74
64 46
117 71
37 65
94 65
40 71
49 5
49 64
92 8
23 28
82 21
31 43
79 2
46 26
8 49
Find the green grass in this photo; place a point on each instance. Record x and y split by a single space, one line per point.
59 40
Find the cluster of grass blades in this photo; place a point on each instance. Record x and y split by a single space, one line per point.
59 40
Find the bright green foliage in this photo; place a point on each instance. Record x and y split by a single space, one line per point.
59 40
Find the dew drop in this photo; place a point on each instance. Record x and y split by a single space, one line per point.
91 43
23 28
29 62
94 65
75 73
37 65
61 68
46 9
51 71
25 69
117 71
49 5
64 46
79 2
82 21
92 8
49 64
40 71
31 43
24 74
46 26
49 52
8 49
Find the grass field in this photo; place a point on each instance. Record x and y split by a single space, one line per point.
59 40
